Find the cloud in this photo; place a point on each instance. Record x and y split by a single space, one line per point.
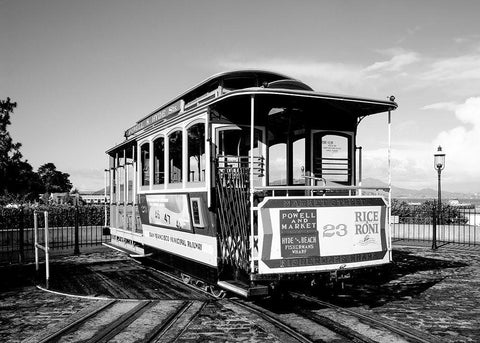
462 143
408 166
399 59
463 68
447 106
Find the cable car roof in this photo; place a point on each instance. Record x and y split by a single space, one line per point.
263 84
257 77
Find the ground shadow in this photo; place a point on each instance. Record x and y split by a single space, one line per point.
407 277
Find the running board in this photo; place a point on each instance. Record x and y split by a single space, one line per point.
243 289
126 251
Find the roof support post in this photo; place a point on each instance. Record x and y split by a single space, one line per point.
252 141
390 181
134 190
208 158
125 190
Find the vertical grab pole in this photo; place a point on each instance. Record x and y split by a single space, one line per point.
134 190
390 182
106 171
252 141
360 169
47 263
117 190
208 158
35 235
125 186
112 202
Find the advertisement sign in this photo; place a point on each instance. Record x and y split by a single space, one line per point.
311 232
200 248
165 210
167 226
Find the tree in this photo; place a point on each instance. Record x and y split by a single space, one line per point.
53 180
424 213
9 151
18 181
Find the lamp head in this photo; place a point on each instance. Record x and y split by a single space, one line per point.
439 159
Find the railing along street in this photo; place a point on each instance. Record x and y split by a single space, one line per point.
70 227
457 225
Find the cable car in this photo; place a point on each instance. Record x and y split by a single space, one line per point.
248 178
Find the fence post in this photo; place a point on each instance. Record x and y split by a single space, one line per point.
434 233
47 251
35 233
77 246
22 236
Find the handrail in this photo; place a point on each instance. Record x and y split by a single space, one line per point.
320 188
237 163
316 179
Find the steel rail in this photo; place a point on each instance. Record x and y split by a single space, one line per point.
379 323
54 337
117 326
179 281
272 320
160 330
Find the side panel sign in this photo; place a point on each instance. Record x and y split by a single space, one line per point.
166 210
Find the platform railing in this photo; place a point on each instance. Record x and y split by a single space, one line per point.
45 248
232 163
319 190
70 228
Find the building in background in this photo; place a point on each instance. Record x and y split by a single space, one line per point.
97 197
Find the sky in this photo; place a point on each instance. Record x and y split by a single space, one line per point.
82 72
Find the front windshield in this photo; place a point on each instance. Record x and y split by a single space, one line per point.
300 150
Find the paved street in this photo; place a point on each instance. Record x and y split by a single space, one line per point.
450 306
434 292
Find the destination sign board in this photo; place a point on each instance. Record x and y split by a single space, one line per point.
310 233
298 233
154 118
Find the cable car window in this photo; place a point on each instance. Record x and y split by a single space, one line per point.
277 164
331 156
196 153
236 142
175 156
298 157
145 163
158 161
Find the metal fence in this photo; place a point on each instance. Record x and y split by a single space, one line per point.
69 228
461 228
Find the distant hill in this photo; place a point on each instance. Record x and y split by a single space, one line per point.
426 193
397 192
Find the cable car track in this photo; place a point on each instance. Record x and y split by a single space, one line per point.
99 325
270 318
408 334
306 325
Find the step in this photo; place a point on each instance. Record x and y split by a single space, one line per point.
243 289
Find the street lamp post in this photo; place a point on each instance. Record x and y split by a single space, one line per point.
439 165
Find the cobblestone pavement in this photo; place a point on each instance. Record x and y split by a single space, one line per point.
437 292
450 306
